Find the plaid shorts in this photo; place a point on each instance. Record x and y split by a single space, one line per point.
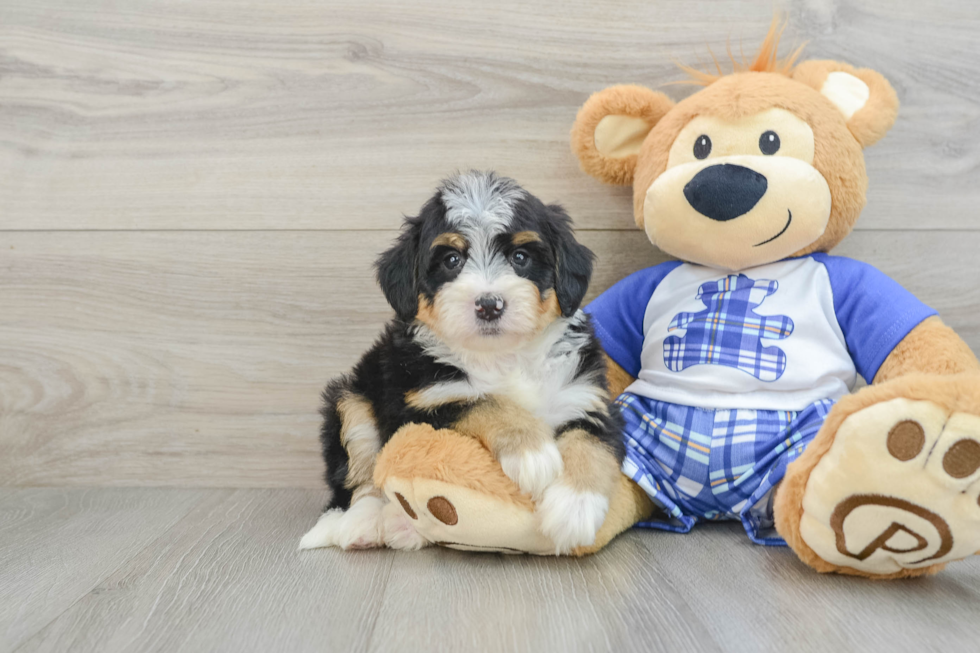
699 464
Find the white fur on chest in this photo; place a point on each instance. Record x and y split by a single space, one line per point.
539 377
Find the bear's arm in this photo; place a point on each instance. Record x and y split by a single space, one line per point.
617 378
932 348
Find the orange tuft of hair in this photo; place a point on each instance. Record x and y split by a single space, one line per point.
765 61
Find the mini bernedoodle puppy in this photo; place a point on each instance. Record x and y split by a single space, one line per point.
488 340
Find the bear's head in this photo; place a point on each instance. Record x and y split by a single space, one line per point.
759 165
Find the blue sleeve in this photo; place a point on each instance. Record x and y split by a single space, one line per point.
617 315
874 311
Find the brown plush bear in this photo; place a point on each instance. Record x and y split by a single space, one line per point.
737 363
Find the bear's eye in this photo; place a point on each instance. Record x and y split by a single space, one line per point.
769 142
452 261
702 147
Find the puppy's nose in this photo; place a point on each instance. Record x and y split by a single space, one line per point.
725 191
489 307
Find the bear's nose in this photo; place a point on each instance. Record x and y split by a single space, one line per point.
725 191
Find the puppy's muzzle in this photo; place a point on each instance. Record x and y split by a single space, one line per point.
489 308
725 191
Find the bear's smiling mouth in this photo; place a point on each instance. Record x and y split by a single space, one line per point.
788 221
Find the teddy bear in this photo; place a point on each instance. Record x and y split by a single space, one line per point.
736 365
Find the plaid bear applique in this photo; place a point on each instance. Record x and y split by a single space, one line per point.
729 332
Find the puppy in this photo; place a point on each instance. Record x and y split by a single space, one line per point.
487 340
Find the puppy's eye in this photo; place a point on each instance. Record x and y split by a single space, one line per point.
702 147
769 142
520 258
452 261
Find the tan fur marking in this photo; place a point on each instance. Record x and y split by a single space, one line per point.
548 310
414 398
503 427
589 465
427 314
449 239
422 400
525 237
359 436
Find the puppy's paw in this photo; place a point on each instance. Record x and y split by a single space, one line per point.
324 532
358 527
571 518
533 470
399 531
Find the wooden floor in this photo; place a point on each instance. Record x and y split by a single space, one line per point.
217 570
191 196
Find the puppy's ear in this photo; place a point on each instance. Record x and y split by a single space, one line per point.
865 98
398 269
610 129
573 262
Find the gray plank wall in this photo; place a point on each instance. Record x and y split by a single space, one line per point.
192 193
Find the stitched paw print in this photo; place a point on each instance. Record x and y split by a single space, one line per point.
424 511
898 489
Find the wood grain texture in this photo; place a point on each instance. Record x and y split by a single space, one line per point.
57 544
196 359
763 599
331 115
621 600
226 577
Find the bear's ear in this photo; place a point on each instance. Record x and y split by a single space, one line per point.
610 129
865 98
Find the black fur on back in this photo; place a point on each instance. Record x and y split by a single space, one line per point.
607 426
393 366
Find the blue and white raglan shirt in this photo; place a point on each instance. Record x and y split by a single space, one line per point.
775 337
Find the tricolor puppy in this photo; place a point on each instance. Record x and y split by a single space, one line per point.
488 340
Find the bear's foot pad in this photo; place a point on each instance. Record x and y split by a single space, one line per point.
898 490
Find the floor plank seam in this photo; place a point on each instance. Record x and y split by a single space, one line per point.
381 602
692 612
